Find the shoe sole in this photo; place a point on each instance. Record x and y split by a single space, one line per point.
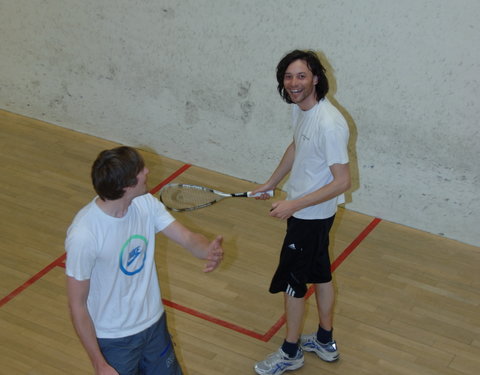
290 368
295 367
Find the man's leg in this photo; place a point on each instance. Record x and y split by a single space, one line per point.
322 342
159 354
294 311
123 353
325 297
289 356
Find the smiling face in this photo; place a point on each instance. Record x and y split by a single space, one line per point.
299 82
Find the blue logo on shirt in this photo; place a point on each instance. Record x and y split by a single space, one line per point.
133 255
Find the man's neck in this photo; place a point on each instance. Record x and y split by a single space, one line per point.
117 208
309 104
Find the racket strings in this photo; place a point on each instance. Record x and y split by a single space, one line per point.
184 197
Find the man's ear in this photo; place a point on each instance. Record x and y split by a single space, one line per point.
315 80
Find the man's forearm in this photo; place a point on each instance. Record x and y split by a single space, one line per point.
340 184
284 167
86 332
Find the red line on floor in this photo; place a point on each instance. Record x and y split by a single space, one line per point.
355 243
171 178
60 262
336 263
214 320
32 280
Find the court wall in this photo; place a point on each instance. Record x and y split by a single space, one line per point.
195 81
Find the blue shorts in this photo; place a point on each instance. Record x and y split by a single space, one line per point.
304 258
149 352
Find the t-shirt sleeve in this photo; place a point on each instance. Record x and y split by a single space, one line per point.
81 252
162 217
335 142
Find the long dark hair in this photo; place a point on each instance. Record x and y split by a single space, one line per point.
315 66
114 170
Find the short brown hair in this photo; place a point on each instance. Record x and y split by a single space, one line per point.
114 170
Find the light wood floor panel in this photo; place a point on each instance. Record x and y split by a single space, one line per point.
407 301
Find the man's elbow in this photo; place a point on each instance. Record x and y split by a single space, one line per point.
341 176
344 185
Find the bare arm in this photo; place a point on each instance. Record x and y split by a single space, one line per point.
340 184
77 292
197 244
280 172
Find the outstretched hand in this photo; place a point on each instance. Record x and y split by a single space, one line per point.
215 254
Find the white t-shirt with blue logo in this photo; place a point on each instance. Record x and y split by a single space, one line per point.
117 256
321 140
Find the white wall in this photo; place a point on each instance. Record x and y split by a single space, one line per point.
195 80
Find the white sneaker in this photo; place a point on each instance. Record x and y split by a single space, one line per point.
279 362
328 352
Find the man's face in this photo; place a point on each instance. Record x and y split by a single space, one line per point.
141 187
299 82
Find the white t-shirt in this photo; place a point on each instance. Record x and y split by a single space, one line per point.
117 256
321 140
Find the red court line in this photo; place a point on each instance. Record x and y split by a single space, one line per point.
33 279
355 243
171 178
60 262
280 322
214 320
336 263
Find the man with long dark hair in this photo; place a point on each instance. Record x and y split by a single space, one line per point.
317 160
112 283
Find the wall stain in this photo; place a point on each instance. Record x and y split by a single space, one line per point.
247 109
191 113
168 13
244 89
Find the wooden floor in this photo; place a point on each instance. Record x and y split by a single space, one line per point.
408 302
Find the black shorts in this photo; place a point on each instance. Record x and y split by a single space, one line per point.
304 258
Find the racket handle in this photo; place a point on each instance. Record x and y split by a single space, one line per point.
250 195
